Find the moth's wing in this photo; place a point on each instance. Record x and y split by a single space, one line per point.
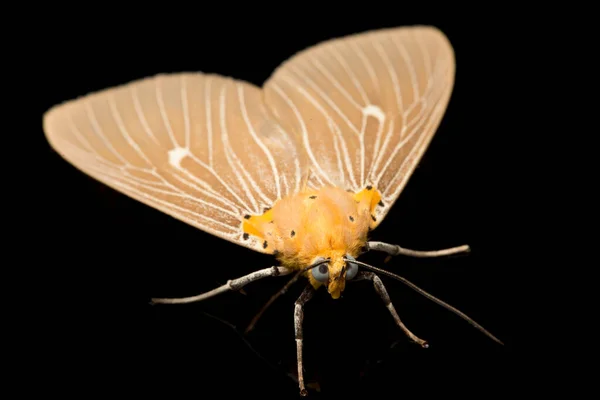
366 106
198 147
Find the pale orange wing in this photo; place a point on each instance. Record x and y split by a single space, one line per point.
366 106
200 148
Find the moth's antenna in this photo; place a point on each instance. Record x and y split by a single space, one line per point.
282 291
430 297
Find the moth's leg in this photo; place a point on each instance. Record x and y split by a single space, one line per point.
395 250
234 284
281 292
298 319
380 289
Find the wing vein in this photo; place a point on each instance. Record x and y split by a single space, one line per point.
327 99
209 126
342 61
392 72
207 192
217 177
386 141
416 150
163 113
325 71
229 154
411 69
186 111
258 141
413 129
80 137
333 127
98 132
304 130
368 66
140 114
119 121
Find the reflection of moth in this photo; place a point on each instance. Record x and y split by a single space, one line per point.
302 168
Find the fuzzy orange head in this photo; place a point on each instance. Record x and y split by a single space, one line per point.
334 273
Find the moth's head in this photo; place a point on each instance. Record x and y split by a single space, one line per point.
334 273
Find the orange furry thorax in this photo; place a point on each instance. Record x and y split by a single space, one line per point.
329 222
324 223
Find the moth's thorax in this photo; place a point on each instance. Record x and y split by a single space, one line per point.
330 222
318 223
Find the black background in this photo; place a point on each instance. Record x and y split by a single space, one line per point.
107 255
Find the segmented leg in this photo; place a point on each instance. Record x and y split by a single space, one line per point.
380 289
298 319
281 292
234 284
395 250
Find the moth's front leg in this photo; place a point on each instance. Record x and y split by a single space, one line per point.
394 250
234 284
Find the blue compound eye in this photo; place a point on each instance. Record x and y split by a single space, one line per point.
351 268
320 272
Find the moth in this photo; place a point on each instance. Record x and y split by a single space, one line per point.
302 168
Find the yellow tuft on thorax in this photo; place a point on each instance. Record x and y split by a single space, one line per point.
329 222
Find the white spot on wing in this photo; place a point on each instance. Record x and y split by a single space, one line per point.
176 155
374 111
